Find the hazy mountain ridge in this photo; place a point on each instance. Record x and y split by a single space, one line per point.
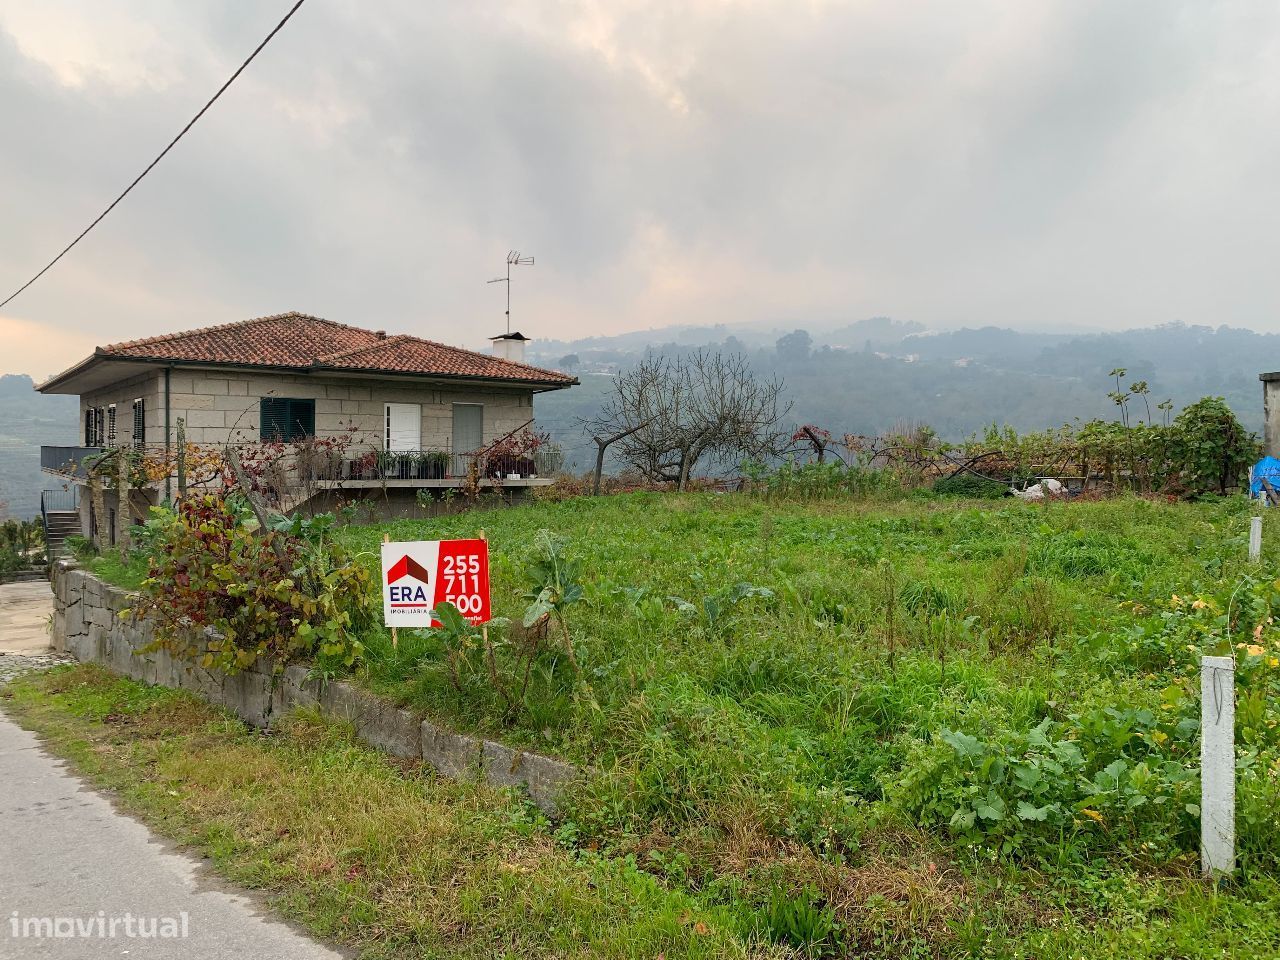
868 376
27 421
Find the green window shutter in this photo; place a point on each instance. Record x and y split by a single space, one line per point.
302 419
273 418
282 418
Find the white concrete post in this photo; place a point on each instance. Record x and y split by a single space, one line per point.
1255 539
1217 765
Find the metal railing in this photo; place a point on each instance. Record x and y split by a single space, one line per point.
442 464
59 501
317 463
545 461
67 461
56 501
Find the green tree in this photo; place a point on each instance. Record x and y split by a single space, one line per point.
1211 447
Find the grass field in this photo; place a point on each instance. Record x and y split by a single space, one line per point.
393 862
921 727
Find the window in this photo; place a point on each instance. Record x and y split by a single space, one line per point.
468 427
139 423
282 418
111 425
403 426
94 432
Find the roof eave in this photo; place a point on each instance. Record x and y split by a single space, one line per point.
99 355
48 385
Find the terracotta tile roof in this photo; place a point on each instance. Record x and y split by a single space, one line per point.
303 342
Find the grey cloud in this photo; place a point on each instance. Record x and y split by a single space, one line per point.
1095 163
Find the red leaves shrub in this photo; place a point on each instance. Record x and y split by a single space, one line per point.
224 594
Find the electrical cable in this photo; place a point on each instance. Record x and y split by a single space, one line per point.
172 143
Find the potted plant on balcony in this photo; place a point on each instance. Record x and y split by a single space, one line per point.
364 467
385 464
420 466
434 465
514 456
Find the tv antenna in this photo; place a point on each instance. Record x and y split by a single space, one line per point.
513 260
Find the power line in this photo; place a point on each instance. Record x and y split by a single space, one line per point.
221 90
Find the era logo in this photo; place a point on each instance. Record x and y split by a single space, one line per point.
408 568
412 594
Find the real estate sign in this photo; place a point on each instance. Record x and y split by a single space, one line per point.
417 575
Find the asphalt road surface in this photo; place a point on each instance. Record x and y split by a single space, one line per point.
78 879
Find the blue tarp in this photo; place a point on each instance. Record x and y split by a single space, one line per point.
1268 467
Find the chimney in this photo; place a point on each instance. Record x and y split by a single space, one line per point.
509 346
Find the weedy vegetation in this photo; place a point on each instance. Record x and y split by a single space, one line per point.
391 862
914 726
879 725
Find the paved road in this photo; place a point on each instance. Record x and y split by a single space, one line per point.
24 628
66 853
70 864
24 616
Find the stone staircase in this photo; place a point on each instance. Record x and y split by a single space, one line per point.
58 525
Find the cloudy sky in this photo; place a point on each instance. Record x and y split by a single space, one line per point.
1031 164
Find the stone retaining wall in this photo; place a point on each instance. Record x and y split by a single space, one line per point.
87 625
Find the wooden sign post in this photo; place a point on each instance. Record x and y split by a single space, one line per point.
395 637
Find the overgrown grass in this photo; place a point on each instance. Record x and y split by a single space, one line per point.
384 858
124 569
791 740
127 572
996 610
944 728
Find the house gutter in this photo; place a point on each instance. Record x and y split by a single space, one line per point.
168 486
536 384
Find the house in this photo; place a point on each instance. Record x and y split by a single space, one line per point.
402 413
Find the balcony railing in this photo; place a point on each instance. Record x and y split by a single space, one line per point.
437 464
317 463
67 461
59 501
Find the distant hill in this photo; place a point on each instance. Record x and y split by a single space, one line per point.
868 376
28 420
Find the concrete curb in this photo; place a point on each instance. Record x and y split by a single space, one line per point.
88 626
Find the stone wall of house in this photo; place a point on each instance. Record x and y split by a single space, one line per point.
217 404
149 387
87 624
140 502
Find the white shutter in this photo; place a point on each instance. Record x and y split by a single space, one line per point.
403 426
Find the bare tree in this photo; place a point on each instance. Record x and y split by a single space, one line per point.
603 444
672 413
